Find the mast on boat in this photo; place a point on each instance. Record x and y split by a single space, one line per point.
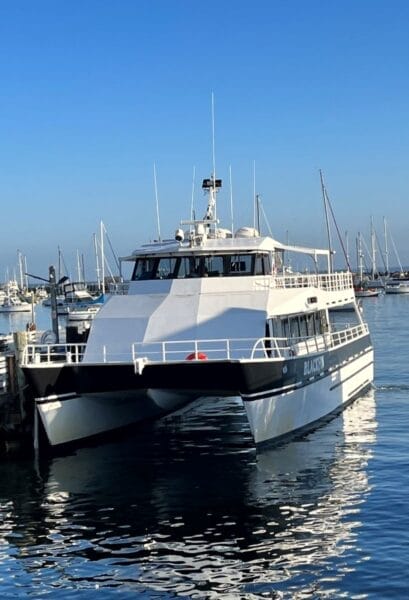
373 250
386 247
325 199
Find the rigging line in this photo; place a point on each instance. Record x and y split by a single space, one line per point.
397 255
265 218
113 251
325 198
338 232
335 222
380 250
104 260
368 253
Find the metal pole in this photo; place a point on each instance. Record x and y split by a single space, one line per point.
53 294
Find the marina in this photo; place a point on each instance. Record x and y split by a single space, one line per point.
205 514
211 401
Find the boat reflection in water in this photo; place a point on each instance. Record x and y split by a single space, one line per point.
193 510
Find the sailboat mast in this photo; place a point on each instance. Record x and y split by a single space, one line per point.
386 246
324 196
373 249
360 259
97 262
20 265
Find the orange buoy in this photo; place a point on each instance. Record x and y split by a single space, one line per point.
196 356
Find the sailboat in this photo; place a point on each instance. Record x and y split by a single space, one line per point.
361 287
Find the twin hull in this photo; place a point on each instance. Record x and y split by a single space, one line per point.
77 401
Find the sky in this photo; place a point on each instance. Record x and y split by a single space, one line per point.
96 94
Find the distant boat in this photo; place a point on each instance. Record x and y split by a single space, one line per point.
366 292
11 300
397 286
361 287
14 304
83 313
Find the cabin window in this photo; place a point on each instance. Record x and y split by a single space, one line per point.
166 268
216 265
303 326
145 268
213 266
259 265
240 264
278 260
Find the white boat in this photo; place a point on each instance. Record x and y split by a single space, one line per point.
208 314
13 304
361 284
83 314
76 296
366 292
397 286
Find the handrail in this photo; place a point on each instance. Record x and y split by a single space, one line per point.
331 282
204 349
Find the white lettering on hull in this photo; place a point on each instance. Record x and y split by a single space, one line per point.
313 366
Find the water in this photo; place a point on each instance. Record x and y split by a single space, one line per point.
186 508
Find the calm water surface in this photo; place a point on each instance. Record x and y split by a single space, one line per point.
187 508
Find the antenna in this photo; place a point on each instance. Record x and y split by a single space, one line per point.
231 202
213 142
157 201
214 161
258 213
254 194
192 210
211 185
102 258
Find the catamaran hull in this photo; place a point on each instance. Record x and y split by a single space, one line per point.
77 401
72 418
273 416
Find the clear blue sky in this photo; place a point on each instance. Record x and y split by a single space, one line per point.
93 93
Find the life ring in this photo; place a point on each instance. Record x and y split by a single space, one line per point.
48 337
196 356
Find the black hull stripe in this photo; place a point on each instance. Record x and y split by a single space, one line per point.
302 384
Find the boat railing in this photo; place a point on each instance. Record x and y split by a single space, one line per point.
331 282
201 349
52 353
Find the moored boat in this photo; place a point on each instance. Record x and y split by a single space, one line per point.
397 286
366 292
209 314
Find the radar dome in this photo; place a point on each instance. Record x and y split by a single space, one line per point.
247 232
